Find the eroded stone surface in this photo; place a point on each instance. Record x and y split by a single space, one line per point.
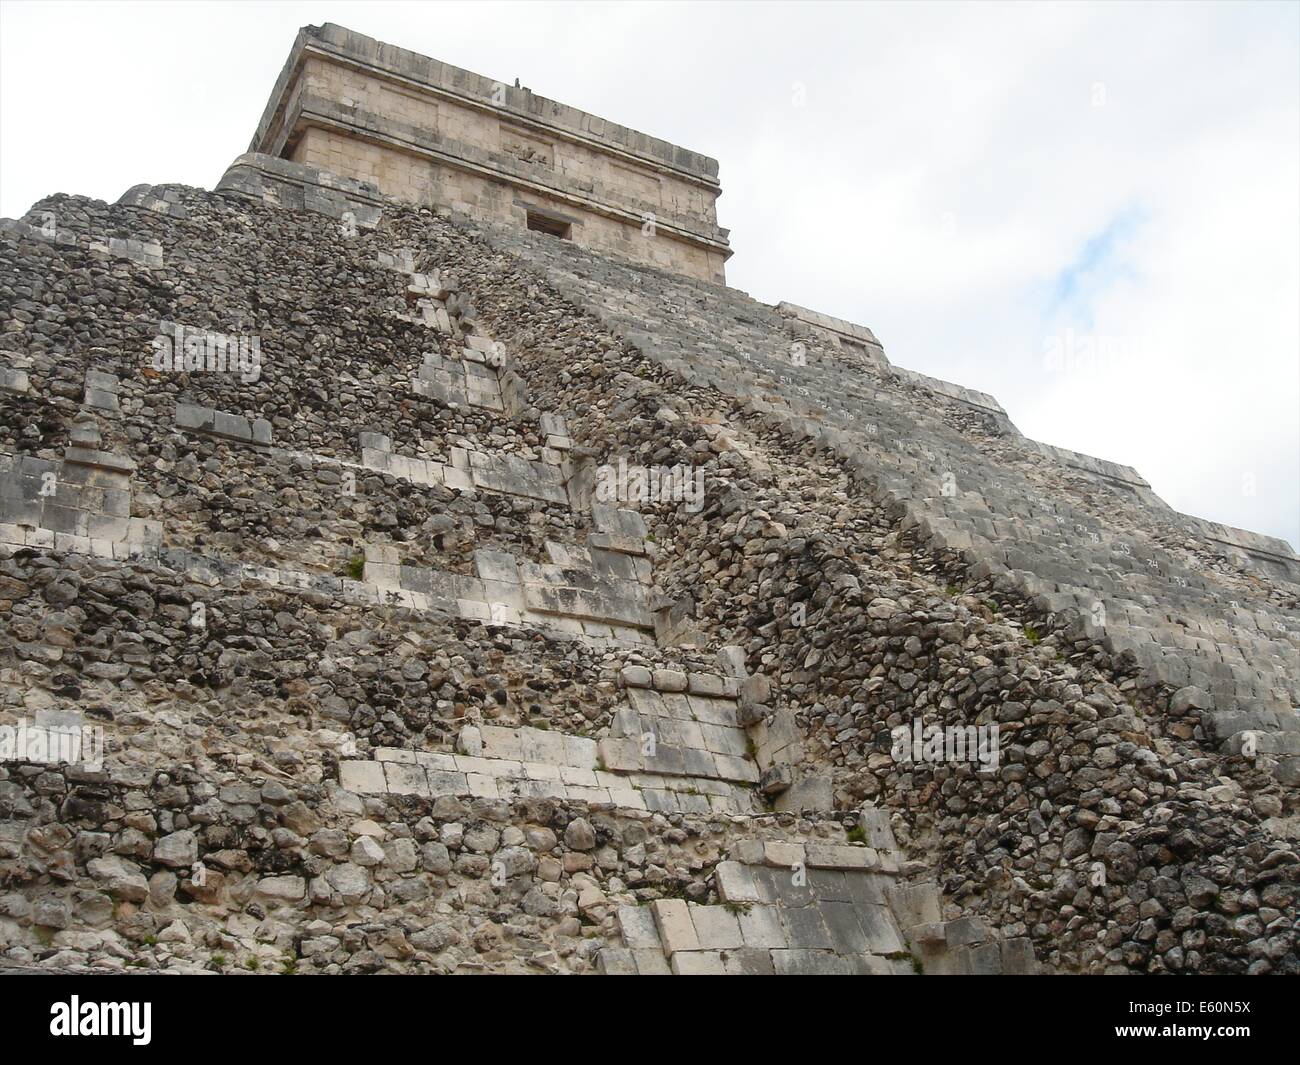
371 661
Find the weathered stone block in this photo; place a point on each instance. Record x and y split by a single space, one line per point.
698 963
716 927
676 929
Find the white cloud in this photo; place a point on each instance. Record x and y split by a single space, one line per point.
947 165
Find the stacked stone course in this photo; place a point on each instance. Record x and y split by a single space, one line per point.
384 687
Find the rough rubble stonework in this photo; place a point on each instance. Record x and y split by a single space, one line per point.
386 685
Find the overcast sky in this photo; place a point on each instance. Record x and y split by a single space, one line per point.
1090 211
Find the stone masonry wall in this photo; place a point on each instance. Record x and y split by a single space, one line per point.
429 133
383 687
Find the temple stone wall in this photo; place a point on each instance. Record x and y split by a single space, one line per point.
429 133
370 670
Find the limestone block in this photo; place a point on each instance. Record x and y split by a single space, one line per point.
395 754
448 393
735 883
880 930
748 961
101 460
542 746
698 963
616 961
761 927
966 931
718 712
676 929
637 927
553 425
575 776
669 680
716 927
436 760
145 253
1018 957
580 752
501 742
460 480
833 856
475 610
846 930
651 962
731 768
440 782
649 703
810 791
405 779
803 962
628 524
705 684
365 778
875 825
496 566
986 959
805 928
720 740
784 855
635 677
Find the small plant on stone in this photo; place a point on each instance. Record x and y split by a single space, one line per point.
1032 634
953 591
856 835
356 567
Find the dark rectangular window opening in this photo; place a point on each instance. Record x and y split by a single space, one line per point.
540 223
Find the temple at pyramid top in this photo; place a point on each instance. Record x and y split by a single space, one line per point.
431 133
